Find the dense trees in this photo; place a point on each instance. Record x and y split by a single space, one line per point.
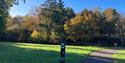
53 16
4 12
90 24
52 21
48 13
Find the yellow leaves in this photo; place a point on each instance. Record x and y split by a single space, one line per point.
65 26
35 34
89 16
39 34
81 18
86 17
109 14
76 20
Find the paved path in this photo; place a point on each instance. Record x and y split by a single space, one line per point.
102 56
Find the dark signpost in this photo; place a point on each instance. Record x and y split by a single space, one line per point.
62 53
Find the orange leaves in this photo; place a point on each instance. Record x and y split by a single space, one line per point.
109 14
84 17
76 20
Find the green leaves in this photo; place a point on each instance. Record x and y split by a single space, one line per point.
4 12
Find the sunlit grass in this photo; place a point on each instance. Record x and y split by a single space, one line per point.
41 53
119 57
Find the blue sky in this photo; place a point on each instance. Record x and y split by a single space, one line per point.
77 5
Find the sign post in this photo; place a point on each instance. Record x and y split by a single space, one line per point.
62 53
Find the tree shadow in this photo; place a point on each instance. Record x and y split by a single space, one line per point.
97 59
14 54
114 48
105 59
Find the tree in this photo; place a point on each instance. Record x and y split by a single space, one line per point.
4 12
93 24
62 30
84 26
111 21
47 12
69 13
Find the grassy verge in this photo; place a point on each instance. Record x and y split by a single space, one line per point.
40 53
119 56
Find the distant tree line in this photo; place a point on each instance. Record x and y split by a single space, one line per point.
5 6
51 21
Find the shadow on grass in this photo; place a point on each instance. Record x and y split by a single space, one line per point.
104 59
115 48
97 59
13 54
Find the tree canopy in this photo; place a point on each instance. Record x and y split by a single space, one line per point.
51 21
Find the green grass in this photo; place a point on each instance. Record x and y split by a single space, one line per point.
40 53
119 56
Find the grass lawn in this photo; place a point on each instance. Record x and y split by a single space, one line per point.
119 57
40 53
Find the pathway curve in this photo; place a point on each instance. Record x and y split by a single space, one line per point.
102 56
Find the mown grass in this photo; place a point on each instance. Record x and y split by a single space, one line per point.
40 53
119 56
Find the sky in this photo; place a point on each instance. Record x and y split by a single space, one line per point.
77 5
